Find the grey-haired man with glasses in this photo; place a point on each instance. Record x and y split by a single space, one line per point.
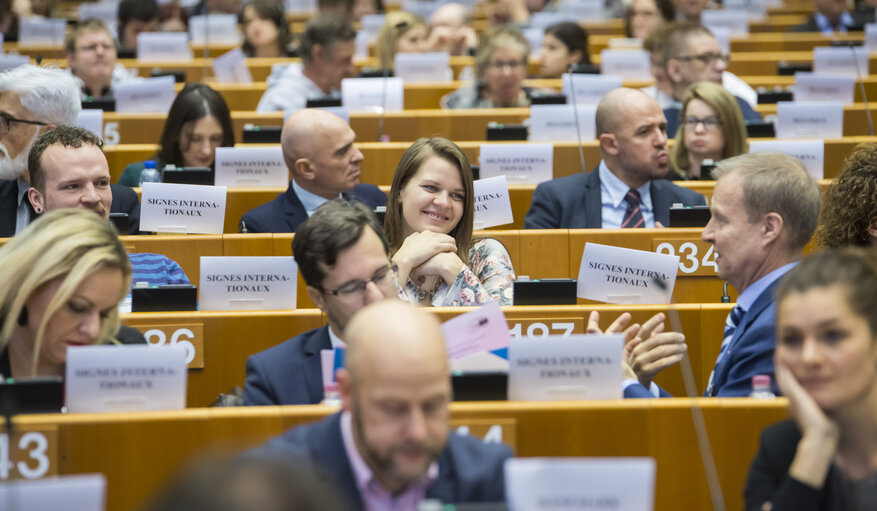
343 257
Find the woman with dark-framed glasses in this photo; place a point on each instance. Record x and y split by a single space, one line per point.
711 127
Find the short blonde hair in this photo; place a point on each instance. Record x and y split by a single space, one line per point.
67 244
396 24
500 37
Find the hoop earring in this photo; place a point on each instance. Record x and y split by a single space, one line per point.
22 317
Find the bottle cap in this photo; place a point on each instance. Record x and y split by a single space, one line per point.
761 380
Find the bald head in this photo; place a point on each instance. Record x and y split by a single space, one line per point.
302 128
615 104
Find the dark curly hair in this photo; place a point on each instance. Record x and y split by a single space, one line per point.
850 205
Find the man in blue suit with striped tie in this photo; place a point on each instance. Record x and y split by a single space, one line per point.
764 210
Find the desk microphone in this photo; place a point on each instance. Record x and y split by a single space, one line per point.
387 42
862 89
575 111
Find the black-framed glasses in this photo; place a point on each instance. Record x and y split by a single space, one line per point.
6 121
706 59
355 287
710 122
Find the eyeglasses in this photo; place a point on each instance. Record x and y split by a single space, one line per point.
95 46
356 287
706 59
6 121
710 123
514 65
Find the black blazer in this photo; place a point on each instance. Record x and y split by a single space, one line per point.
290 373
860 18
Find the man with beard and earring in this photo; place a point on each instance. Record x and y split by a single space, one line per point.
33 100
389 447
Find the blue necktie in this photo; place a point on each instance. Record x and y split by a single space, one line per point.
633 216
731 325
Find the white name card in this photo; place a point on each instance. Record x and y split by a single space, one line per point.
629 64
125 378
166 46
820 87
623 275
39 31
231 67
80 492
214 29
847 60
530 163
580 484
247 283
301 6
251 166
550 123
626 43
723 36
588 89
871 36
477 331
372 94
108 12
492 203
582 10
810 152
372 23
810 119
578 367
423 67
147 95
183 209
9 61
736 21
534 36
91 119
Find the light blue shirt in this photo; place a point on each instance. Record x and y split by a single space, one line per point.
335 340
826 27
22 216
748 297
612 193
310 201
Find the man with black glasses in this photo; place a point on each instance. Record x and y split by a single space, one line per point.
342 255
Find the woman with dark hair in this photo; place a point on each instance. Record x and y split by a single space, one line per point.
563 44
849 213
644 16
198 123
429 222
266 31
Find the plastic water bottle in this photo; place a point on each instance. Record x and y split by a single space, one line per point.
149 174
761 387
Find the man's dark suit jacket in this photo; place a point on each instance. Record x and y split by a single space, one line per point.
860 18
124 201
286 212
751 352
574 202
290 373
672 115
469 469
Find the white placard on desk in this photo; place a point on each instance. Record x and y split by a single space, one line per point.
373 94
39 31
723 36
86 492
810 152
824 87
9 61
623 275
582 10
251 166
372 23
146 95
528 163
108 12
183 209
163 46
91 119
551 123
588 88
534 36
300 6
578 367
423 67
492 203
834 60
810 119
871 36
125 378
735 21
231 67
214 29
548 484
477 331
247 283
628 64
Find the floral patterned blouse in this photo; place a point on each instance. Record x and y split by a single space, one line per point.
488 276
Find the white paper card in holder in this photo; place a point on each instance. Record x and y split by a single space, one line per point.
372 94
301 6
125 378
214 29
247 283
251 166
91 119
810 152
231 67
833 60
810 119
623 275
164 46
543 484
588 88
423 67
735 20
582 10
147 95
824 87
9 61
871 36
108 12
183 209
86 492
39 31
492 203
529 163
578 367
628 64
555 123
